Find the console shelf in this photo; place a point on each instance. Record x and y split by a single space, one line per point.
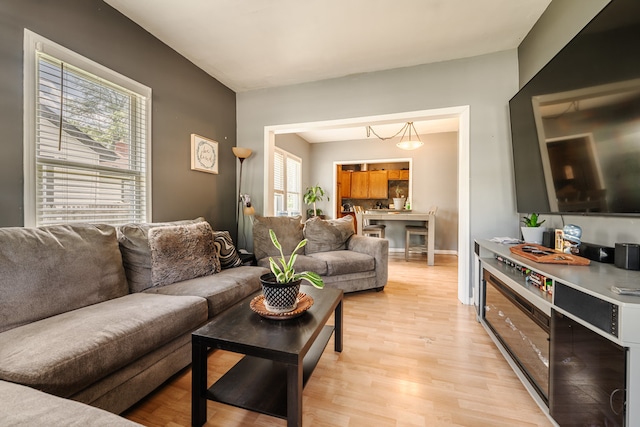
584 315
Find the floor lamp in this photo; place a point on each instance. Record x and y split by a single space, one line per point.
241 154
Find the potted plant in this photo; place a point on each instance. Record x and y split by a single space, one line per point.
311 196
531 231
398 201
282 285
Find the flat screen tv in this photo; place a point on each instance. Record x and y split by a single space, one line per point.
575 126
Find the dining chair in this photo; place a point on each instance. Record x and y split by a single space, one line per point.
371 230
413 230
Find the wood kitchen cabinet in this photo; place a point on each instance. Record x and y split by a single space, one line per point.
359 185
369 185
345 184
399 175
378 185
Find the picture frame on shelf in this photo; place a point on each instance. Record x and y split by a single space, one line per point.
559 241
204 154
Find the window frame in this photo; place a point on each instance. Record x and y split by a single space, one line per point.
286 156
34 43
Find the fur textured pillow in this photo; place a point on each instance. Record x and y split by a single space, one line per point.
227 253
288 229
329 235
136 254
182 252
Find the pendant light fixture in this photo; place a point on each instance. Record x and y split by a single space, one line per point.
411 142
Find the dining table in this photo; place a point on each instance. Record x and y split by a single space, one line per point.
426 218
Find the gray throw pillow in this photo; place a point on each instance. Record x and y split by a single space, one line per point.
327 235
227 253
288 230
136 255
182 252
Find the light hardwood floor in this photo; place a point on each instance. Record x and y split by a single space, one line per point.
413 356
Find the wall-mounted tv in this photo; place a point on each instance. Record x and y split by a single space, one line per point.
575 126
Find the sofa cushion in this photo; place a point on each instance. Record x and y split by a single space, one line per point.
65 353
222 290
303 263
344 262
288 231
52 269
136 254
327 235
227 253
182 252
24 406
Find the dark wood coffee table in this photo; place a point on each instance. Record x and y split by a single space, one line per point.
280 356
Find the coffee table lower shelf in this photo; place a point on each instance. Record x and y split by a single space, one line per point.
260 385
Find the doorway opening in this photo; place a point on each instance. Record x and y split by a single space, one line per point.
461 113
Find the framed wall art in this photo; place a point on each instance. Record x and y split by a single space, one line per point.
204 154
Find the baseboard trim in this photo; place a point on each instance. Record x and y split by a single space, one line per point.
438 251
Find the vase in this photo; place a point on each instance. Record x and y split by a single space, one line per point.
279 297
532 234
398 203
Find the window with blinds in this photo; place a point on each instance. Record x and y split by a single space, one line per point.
287 183
88 147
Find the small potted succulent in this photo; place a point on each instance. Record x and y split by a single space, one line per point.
531 231
282 285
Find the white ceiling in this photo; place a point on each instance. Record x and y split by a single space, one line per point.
257 44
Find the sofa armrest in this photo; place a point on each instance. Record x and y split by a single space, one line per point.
378 249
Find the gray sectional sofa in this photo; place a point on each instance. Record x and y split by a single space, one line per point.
344 260
103 315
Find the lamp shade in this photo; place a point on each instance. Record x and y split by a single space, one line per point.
241 153
409 145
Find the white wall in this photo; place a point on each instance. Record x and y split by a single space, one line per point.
484 83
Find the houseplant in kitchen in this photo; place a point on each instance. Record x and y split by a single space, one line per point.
311 196
282 285
398 201
531 231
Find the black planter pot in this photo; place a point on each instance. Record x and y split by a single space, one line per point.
279 297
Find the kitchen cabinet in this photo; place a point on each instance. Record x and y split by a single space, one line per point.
345 184
378 185
399 175
359 185
369 185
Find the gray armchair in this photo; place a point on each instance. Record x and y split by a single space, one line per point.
344 260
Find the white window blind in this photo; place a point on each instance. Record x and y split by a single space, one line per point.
294 178
89 147
287 183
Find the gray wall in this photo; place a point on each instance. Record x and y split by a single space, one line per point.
185 100
562 20
484 83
